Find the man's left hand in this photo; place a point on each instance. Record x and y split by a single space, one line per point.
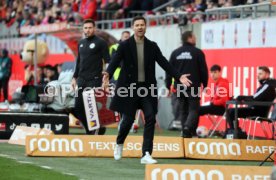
185 80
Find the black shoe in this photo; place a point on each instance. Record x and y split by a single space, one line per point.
242 134
102 131
186 133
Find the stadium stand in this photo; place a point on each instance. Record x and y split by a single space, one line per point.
35 12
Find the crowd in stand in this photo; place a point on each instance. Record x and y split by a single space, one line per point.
36 12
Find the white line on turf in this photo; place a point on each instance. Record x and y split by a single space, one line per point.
4 155
25 162
46 167
7 156
70 174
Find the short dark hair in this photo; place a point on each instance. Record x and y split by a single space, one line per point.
186 35
5 52
136 18
265 69
89 21
126 32
215 67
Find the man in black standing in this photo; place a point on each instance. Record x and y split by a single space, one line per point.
137 78
92 51
188 59
5 73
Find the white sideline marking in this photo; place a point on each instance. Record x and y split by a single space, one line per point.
46 167
7 156
70 174
25 162
4 155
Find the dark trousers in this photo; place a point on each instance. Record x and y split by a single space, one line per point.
242 113
211 109
175 106
189 112
79 110
4 84
127 121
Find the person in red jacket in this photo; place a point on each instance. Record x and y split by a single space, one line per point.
220 87
88 9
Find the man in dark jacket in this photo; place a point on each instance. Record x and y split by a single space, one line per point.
5 73
92 50
188 59
136 86
266 92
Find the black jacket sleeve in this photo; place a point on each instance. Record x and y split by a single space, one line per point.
203 70
264 93
168 76
134 5
105 53
77 66
115 62
9 67
163 62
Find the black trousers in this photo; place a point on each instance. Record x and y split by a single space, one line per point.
4 84
127 121
242 113
79 110
189 112
211 109
175 106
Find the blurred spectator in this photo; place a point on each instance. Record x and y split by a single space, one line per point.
48 19
157 3
88 9
112 5
51 74
5 73
146 5
3 7
118 24
29 75
58 68
27 20
130 5
40 76
67 13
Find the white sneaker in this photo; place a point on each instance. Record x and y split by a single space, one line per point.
147 159
118 151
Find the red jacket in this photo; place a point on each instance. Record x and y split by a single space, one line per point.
220 97
88 9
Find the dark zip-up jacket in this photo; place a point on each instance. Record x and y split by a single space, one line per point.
188 59
91 54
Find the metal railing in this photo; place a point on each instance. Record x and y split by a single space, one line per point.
243 11
152 20
164 5
109 15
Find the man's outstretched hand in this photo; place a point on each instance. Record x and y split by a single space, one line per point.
105 81
185 80
74 84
